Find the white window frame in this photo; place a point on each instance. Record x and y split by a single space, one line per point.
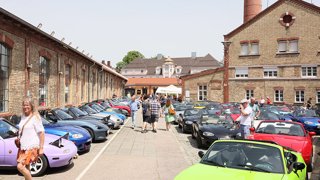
249 93
244 49
278 95
272 72
313 70
241 72
248 48
203 92
158 70
299 96
252 47
286 46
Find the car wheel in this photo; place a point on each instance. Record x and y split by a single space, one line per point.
90 132
184 128
199 140
39 167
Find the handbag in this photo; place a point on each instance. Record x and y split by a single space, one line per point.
17 140
171 111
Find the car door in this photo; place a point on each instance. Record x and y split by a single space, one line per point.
10 152
2 151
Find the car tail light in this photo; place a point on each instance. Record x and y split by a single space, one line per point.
319 121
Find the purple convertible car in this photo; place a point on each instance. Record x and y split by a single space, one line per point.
57 150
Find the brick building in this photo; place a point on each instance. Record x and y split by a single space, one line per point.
274 53
34 63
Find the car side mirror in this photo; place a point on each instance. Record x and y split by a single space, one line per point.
201 154
298 166
252 129
312 134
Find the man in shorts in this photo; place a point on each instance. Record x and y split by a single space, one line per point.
155 113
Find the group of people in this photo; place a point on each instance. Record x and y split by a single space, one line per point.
151 111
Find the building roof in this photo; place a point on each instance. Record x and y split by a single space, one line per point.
152 81
29 26
202 73
185 62
266 11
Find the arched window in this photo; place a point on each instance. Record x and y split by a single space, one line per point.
67 83
43 81
4 77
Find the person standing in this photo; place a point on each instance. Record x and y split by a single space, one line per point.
31 133
155 113
133 104
262 101
167 115
255 108
245 118
146 113
268 100
309 104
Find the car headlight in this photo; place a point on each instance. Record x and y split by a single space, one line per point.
189 122
308 122
238 134
76 136
208 134
66 151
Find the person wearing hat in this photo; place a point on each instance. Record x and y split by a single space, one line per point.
245 118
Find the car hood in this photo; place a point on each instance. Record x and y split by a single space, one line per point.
208 172
191 118
62 129
313 119
219 129
294 142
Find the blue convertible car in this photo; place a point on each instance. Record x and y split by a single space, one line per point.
309 119
79 136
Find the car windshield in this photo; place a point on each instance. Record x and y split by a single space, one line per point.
88 109
267 115
192 112
97 108
100 106
106 105
215 119
63 115
244 155
78 112
306 113
45 121
285 128
7 130
181 108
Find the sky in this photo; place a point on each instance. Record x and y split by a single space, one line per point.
108 29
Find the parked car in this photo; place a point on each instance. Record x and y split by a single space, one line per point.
78 135
309 119
112 121
265 115
189 117
287 134
120 106
180 111
243 159
97 130
214 127
58 152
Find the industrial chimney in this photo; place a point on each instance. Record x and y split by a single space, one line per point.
251 9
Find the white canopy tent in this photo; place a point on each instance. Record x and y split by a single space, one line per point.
169 90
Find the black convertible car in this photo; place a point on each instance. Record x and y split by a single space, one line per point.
188 118
214 127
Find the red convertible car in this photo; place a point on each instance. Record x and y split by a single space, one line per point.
288 134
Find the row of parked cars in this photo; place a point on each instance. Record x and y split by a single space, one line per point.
69 131
280 143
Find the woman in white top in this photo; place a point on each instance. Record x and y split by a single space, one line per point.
31 138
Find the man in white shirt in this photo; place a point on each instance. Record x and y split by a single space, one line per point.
245 118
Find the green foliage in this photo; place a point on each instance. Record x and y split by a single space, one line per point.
131 55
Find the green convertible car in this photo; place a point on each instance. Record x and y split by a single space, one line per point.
246 160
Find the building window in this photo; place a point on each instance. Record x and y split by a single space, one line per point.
202 92
300 96
318 97
288 46
158 70
83 81
278 96
67 83
93 85
249 48
309 71
249 93
269 72
4 78
43 81
241 72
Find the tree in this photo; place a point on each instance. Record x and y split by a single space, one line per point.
131 55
